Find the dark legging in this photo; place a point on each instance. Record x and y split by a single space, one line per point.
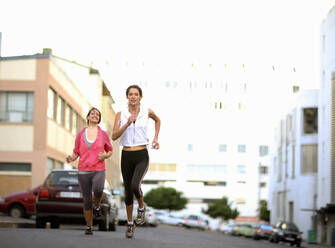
91 181
134 165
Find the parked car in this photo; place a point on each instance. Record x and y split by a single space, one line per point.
235 231
19 204
262 231
150 216
195 221
60 201
170 219
226 228
246 230
286 232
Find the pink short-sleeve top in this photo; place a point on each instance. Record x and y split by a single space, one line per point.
88 157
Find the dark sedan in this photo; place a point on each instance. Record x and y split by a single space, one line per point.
60 201
286 232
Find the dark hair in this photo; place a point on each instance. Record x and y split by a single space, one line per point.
134 86
89 112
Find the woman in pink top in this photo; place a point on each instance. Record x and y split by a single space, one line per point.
93 146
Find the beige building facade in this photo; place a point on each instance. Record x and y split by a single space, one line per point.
44 100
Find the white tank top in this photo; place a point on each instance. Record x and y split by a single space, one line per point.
136 133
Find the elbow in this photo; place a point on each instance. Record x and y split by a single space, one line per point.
114 137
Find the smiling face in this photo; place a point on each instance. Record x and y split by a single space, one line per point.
93 116
134 96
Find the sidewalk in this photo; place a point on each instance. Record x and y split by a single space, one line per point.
306 245
10 222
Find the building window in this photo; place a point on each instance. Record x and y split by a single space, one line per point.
263 151
16 106
190 147
222 148
262 184
68 117
241 148
51 103
15 167
263 170
309 158
241 169
293 161
240 201
59 165
50 165
74 122
310 121
60 111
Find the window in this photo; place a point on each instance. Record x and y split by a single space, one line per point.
68 117
263 151
74 122
51 103
262 184
310 120
60 111
241 148
16 106
59 165
309 158
15 167
50 165
263 170
190 147
222 148
241 169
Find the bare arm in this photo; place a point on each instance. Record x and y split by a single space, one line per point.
153 116
117 130
71 158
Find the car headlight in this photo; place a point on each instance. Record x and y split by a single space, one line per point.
2 200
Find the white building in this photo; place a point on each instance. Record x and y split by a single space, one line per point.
215 121
293 173
326 173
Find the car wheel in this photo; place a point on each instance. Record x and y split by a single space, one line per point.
104 222
16 211
54 224
113 224
40 223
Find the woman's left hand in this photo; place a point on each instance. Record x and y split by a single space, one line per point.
101 156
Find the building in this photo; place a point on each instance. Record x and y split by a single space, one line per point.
217 124
294 169
326 157
44 100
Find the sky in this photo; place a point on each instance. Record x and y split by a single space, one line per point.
168 33
143 35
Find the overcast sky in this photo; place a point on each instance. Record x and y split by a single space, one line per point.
175 32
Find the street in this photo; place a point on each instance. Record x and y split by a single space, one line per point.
145 237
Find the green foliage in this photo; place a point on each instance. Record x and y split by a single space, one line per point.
264 212
221 208
165 198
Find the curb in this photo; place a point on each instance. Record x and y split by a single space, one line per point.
8 224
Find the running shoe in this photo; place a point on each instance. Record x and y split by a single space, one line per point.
140 219
97 212
88 231
130 231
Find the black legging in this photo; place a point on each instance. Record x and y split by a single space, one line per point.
134 165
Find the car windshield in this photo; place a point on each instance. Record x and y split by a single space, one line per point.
62 178
292 227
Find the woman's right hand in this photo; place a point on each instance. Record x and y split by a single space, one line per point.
69 159
131 119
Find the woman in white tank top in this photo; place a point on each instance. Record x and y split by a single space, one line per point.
131 127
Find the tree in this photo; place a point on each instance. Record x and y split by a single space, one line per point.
221 208
264 212
165 198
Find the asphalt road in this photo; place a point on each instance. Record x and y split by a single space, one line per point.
72 236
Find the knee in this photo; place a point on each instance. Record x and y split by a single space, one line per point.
135 188
98 193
